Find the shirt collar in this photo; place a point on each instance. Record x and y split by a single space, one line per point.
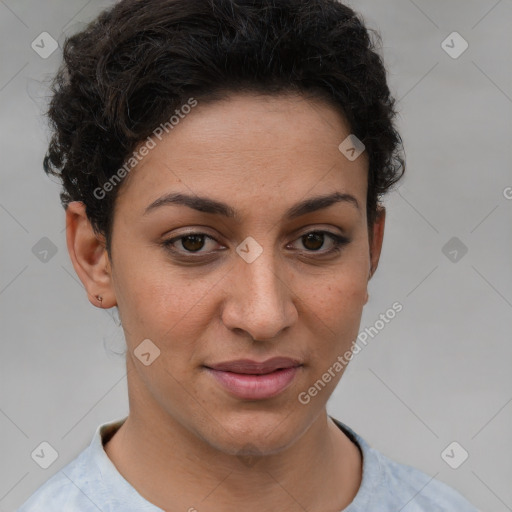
112 480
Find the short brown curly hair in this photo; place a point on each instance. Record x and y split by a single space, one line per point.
140 60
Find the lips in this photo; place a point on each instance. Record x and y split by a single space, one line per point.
253 380
256 368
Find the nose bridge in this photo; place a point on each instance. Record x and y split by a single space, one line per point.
264 280
262 302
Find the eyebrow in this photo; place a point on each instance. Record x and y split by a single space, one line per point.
207 205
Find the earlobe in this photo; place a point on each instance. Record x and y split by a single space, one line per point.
89 256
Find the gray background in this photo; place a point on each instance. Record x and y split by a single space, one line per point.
438 372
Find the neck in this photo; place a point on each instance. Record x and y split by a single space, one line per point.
324 462
174 469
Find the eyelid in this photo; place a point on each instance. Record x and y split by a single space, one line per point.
176 238
338 240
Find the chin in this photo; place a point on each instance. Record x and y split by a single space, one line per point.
250 433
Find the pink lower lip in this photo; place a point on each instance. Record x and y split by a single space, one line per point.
255 387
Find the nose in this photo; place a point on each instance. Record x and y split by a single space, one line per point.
260 300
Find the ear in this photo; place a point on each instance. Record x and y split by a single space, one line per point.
89 256
376 238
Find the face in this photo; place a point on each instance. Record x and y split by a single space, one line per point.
241 264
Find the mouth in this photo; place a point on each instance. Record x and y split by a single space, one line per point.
253 380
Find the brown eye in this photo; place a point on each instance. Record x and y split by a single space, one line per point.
192 243
313 241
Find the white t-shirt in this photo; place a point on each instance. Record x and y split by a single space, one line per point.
91 483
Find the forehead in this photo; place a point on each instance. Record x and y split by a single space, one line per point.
249 148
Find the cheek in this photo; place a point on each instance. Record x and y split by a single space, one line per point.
334 303
342 289
168 307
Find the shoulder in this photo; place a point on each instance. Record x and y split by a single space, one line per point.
90 482
388 485
416 491
67 490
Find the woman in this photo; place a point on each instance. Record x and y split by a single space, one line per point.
223 164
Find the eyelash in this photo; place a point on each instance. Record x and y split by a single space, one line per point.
338 241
